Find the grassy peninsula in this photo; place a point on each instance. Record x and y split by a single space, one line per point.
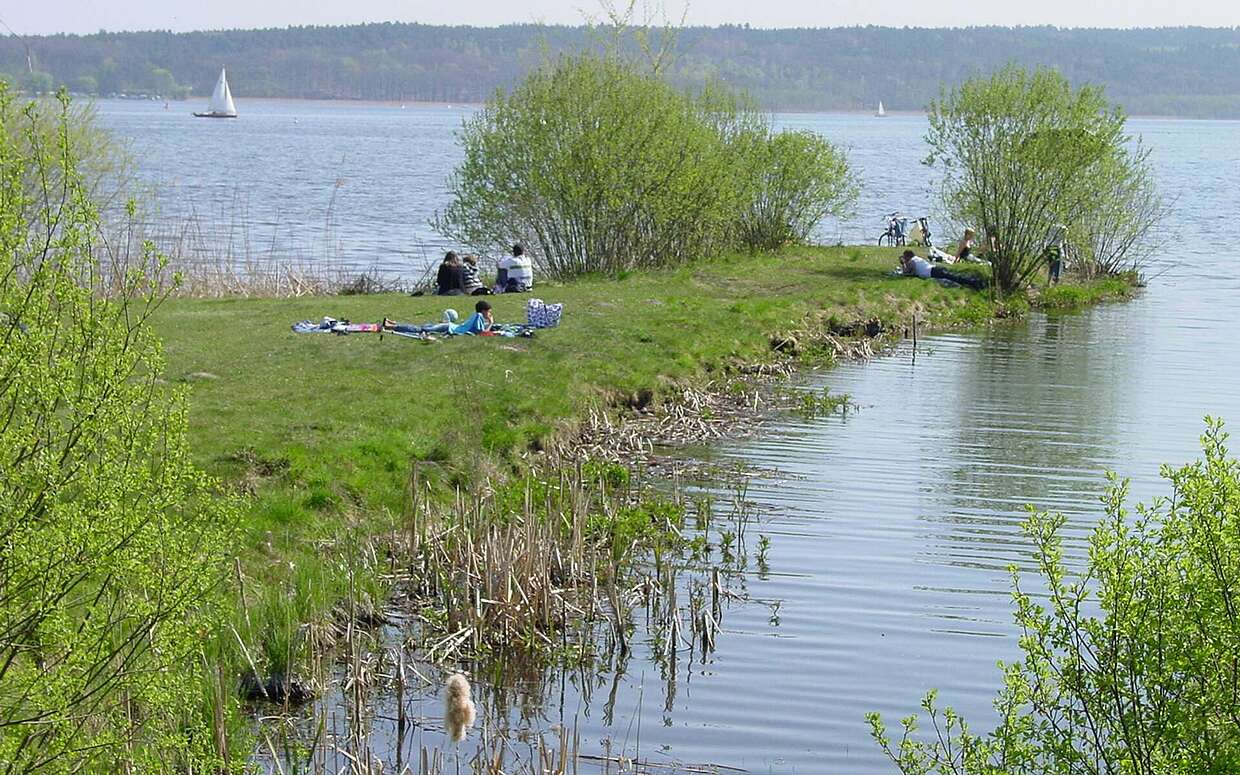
323 429
356 475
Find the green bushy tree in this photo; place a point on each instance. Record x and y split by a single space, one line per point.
797 179
1022 152
600 166
112 544
1129 667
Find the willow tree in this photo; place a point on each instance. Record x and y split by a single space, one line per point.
598 165
1021 153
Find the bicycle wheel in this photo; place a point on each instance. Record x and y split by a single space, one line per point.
886 236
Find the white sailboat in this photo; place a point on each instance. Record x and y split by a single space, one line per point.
221 105
881 113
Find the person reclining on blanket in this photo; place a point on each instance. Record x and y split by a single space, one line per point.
478 323
914 265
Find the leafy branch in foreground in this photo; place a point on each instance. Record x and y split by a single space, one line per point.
111 541
1129 667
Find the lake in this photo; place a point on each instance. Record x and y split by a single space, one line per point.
358 185
890 527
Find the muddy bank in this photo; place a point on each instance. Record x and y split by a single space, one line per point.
733 405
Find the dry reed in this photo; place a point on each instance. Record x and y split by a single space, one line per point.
221 256
458 712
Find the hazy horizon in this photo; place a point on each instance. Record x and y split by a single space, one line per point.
79 17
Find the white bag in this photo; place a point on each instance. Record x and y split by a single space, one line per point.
540 315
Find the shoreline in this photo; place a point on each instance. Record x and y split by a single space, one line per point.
343 102
322 431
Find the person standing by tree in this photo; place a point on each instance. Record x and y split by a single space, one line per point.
1056 244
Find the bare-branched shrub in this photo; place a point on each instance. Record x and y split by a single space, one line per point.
1118 233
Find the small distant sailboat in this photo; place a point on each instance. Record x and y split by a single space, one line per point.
221 105
881 113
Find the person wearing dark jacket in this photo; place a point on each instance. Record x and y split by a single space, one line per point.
450 281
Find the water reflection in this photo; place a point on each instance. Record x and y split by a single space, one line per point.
890 529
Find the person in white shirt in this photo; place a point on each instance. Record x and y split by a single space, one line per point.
516 272
914 265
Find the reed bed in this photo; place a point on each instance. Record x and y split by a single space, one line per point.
516 569
507 583
221 254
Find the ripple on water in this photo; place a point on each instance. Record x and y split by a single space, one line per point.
892 528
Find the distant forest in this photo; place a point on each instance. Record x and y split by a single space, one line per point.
1176 71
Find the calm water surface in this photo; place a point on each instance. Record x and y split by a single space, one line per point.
358 184
891 528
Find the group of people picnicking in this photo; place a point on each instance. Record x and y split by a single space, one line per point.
459 276
913 265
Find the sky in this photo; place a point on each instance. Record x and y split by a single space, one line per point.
37 17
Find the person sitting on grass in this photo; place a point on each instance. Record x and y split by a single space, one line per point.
914 265
469 271
516 272
964 248
450 281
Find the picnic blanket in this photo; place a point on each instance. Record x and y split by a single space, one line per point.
330 325
474 325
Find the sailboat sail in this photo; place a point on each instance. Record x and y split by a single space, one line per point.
880 112
221 98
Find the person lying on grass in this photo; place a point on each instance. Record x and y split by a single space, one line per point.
914 265
478 323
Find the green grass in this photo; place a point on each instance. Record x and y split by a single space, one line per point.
337 420
1070 296
323 429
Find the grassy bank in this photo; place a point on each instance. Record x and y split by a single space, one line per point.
323 430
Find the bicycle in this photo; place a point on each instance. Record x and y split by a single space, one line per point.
897 231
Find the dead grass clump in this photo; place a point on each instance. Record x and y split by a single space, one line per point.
508 570
458 714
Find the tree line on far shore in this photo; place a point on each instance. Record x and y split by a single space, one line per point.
1176 71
